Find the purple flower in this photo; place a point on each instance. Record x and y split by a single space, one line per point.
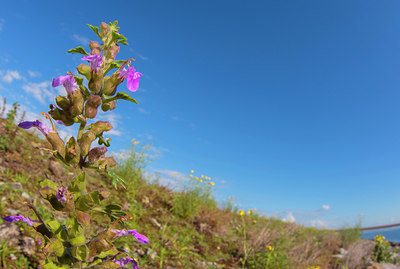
41 126
61 194
123 261
95 61
67 81
132 78
141 238
60 122
19 217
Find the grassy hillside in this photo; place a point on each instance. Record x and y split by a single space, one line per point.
187 228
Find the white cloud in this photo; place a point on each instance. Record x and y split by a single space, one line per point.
169 178
319 223
289 217
81 39
326 207
34 74
143 111
40 90
9 75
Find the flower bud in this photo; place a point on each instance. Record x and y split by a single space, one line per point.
99 127
95 47
112 52
103 29
56 142
96 153
85 141
72 151
58 114
91 106
109 106
63 102
111 83
77 103
85 70
106 162
96 82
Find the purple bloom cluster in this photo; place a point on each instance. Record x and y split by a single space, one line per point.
123 261
132 78
61 194
95 61
67 81
141 238
41 126
19 217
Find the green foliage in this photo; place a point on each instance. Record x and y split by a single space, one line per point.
188 203
382 251
350 235
270 259
9 140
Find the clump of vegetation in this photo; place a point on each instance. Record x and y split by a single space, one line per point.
8 138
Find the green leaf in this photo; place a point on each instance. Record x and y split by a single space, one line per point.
54 225
95 30
116 179
55 246
102 141
51 265
125 96
79 240
95 196
78 50
78 184
84 203
106 253
111 207
48 183
80 252
83 218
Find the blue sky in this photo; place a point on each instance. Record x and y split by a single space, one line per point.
290 106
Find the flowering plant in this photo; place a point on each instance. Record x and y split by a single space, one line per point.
67 239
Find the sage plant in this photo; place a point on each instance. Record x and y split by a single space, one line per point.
67 242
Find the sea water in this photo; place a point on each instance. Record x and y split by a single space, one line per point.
391 234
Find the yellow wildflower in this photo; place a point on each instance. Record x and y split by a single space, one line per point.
202 176
254 221
212 183
201 180
241 212
270 248
191 175
191 171
196 177
250 212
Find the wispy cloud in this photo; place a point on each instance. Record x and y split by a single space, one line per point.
143 111
9 75
145 136
142 57
40 90
83 40
34 74
326 207
169 178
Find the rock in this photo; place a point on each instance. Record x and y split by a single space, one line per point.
376 265
26 196
151 253
155 222
12 211
56 168
11 232
16 185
